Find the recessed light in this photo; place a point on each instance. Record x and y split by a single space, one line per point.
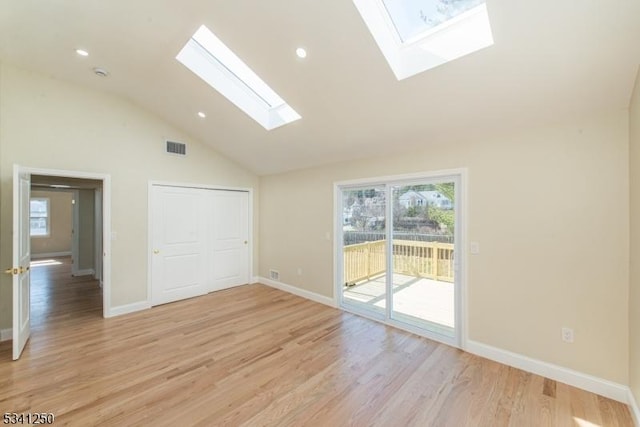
301 52
82 52
201 114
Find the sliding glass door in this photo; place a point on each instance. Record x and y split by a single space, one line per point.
398 259
422 277
364 248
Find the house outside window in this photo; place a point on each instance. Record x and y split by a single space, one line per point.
39 216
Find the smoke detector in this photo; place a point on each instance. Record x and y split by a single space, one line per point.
101 72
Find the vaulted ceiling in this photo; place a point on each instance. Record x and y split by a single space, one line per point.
551 60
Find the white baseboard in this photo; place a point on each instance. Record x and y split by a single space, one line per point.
87 272
50 255
577 379
634 408
255 279
6 334
128 308
297 291
606 388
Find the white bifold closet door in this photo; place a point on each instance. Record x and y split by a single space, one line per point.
229 249
179 227
199 241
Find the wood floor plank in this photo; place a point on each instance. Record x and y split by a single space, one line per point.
256 356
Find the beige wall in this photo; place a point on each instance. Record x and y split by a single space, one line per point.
634 290
86 222
60 222
45 123
549 207
550 210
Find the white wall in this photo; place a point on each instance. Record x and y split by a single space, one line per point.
45 123
549 207
634 289
60 219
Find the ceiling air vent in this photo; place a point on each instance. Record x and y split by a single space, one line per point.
176 148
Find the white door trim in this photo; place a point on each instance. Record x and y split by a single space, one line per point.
75 236
203 186
392 179
106 223
190 185
461 314
97 218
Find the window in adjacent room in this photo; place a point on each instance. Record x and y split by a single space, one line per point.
39 216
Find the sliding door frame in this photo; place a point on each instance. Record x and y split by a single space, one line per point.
459 176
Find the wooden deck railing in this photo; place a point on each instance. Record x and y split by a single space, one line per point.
432 260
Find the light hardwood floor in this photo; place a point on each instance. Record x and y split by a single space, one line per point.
257 356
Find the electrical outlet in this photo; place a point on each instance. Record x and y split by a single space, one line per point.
474 248
567 335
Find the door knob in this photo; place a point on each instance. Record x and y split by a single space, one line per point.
156 251
245 242
11 271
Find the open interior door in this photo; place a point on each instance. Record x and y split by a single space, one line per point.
21 260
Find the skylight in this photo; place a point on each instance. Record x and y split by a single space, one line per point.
212 61
413 17
416 35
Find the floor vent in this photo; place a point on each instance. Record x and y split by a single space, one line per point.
176 148
274 275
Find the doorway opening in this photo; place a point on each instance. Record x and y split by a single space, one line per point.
66 221
61 224
399 257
